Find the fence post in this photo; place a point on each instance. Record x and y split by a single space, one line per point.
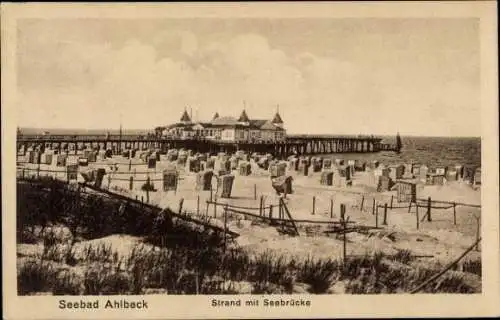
271 213
147 189
131 183
392 200
314 205
206 211
376 217
130 165
362 203
478 232
385 215
198 205
211 192
331 208
255 191
416 206
429 209
373 207
23 174
344 233
38 171
409 207
181 203
260 205
454 213
109 180
215 206
225 225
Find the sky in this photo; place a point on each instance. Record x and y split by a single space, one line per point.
328 76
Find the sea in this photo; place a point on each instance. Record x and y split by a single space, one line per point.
431 151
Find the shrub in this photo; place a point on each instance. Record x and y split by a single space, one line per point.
34 276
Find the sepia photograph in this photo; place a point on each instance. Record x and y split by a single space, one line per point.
258 161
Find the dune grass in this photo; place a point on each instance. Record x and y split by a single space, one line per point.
181 258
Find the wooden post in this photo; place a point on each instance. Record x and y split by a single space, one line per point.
147 190
261 205
215 207
344 242
429 209
373 207
198 205
271 213
416 206
478 232
331 208
392 200
38 171
181 203
225 225
131 183
130 165
342 211
23 174
376 217
409 207
210 192
255 191
362 203
385 215
454 213
314 205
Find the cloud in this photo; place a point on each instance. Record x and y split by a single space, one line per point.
76 84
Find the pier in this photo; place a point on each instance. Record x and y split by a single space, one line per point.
293 144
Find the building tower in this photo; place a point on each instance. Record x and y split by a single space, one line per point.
185 119
243 119
277 121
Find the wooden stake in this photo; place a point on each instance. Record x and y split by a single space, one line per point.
478 232
215 207
429 209
344 240
255 191
131 183
385 214
454 213
331 208
373 207
416 205
362 203
261 205
181 203
198 205
225 225
392 200
314 205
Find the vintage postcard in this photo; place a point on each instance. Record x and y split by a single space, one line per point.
250 160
